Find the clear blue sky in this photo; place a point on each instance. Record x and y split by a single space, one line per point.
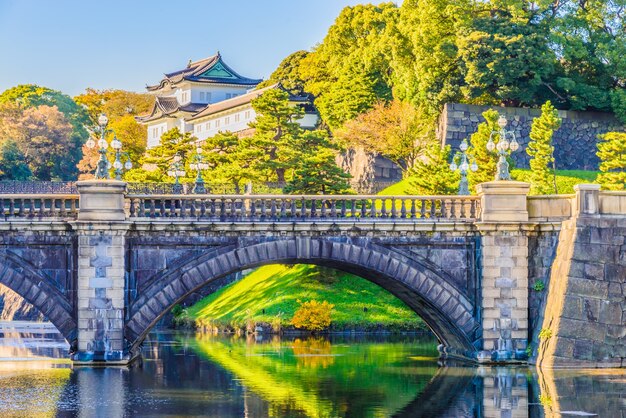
69 45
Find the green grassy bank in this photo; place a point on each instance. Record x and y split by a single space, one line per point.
270 294
565 181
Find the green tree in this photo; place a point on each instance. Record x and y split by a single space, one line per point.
32 95
231 159
486 161
505 55
275 129
423 44
349 71
12 162
317 171
541 150
612 154
431 175
158 160
590 38
288 74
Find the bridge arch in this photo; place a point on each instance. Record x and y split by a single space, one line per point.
446 311
37 290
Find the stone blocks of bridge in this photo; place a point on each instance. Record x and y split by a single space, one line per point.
505 292
504 307
101 274
586 301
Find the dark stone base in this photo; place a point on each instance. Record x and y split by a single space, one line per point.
99 358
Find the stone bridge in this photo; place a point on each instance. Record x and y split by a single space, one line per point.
104 265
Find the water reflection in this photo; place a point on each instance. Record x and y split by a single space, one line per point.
185 375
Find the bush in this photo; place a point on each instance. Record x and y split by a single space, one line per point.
312 315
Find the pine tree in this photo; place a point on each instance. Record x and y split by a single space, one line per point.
612 154
432 175
317 171
541 150
487 161
275 128
158 160
231 159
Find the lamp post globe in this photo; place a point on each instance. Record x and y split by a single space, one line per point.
507 144
103 166
463 167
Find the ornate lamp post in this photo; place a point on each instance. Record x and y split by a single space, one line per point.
463 168
102 170
503 147
116 144
198 164
176 170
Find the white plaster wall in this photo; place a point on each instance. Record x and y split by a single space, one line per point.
309 120
157 129
230 120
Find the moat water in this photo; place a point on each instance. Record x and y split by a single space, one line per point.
183 374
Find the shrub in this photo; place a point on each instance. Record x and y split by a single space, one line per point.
312 315
539 286
545 333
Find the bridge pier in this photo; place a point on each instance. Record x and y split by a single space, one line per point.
101 228
504 299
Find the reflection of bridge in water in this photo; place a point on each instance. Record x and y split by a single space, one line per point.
196 376
30 340
104 266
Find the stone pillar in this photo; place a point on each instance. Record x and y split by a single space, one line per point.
587 199
101 229
504 285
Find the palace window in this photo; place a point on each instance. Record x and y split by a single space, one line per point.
237 117
247 114
202 96
217 123
228 96
226 121
208 126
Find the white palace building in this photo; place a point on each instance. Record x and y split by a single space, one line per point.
207 97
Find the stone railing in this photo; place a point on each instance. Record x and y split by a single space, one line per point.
612 203
37 187
294 207
37 206
549 208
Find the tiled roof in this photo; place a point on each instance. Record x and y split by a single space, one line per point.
201 71
165 106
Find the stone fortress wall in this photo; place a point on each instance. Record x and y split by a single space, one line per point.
575 142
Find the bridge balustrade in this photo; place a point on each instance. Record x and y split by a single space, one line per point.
310 207
38 206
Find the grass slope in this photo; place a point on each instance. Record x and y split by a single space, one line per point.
271 293
565 181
